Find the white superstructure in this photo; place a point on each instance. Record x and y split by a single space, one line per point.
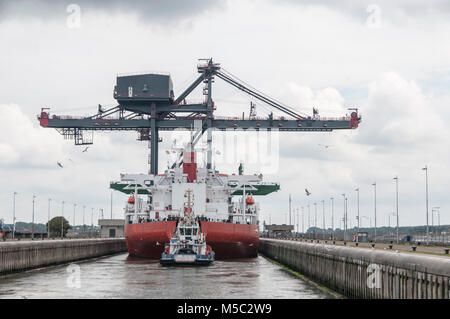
211 196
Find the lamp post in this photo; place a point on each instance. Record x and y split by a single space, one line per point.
332 213
357 236
303 220
290 210
92 220
323 217
434 210
315 215
48 222
14 214
309 216
396 192
32 220
375 208
84 225
344 218
74 206
111 205
426 201
62 220
346 214
391 214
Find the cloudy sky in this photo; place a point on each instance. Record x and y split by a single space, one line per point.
392 61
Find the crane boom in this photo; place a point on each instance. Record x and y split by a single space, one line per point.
146 105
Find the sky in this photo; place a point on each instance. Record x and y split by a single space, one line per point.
389 60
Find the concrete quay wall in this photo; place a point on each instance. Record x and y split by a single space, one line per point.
364 273
19 256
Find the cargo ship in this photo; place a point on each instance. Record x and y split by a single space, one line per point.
224 206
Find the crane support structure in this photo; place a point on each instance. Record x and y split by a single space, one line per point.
146 104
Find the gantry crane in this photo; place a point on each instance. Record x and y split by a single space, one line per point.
146 104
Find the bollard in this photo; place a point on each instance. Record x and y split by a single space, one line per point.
334 243
446 251
372 245
390 246
326 241
414 248
356 244
345 243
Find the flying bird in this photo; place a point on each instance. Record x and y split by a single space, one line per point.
85 150
59 164
307 192
326 146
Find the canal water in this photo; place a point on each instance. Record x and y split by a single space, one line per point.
120 276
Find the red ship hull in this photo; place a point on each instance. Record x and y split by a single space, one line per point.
227 240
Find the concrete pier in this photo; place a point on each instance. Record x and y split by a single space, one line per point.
364 273
19 256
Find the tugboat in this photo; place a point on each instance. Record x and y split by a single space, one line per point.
188 244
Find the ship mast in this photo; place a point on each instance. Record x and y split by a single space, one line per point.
189 213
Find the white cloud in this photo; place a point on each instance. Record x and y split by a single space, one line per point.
23 144
398 115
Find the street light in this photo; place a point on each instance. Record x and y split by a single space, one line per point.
112 204
435 210
92 220
346 214
289 209
32 220
345 217
14 214
84 225
396 190
426 191
323 216
357 236
309 216
303 219
375 207
315 215
332 214
62 219
48 222
74 206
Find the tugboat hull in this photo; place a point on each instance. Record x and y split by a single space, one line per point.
170 259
